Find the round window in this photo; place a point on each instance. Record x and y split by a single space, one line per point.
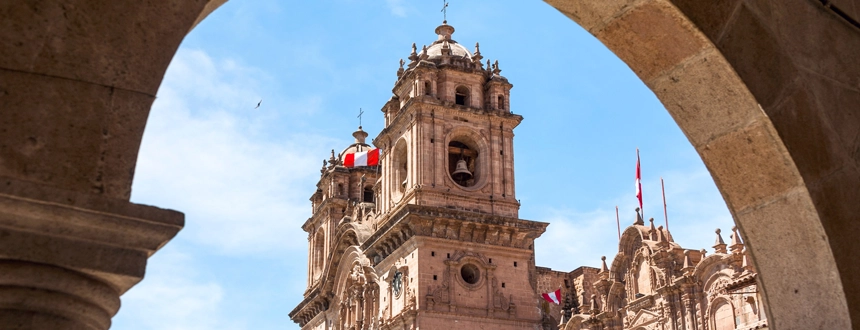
470 273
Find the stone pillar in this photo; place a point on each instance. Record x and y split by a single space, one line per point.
66 256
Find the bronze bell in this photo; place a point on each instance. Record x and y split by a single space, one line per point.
461 173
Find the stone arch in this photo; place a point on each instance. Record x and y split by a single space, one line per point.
728 74
766 102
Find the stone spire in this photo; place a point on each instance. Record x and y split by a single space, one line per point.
737 245
688 264
652 232
603 267
662 239
747 264
413 57
719 245
639 220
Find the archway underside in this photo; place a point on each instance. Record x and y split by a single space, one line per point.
766 91
732 75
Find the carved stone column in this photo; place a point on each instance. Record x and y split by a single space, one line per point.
66 257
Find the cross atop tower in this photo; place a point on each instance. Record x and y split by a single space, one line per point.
444 11
360 113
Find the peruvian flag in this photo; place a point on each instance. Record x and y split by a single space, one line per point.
638 180
364 158
553 297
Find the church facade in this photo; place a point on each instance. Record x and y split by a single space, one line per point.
428 235
654 283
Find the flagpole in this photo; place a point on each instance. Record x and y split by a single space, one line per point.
665 214
618 223
639 183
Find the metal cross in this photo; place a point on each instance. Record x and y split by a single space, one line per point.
360 112
445 10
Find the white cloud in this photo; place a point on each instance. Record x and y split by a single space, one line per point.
579 238
397 8
174 297
207 152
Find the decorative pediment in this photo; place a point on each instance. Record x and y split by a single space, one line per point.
643 318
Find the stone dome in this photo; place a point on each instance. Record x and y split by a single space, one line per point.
457 50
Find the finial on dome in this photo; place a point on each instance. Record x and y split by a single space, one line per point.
359 135
704 255
424 55
496 69
603 267
639 220
444 31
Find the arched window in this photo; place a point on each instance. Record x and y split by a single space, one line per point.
427 88
501 102
461 95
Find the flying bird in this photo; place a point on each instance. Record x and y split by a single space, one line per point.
258 103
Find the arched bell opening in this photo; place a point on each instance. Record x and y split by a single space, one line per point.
462 163
461 95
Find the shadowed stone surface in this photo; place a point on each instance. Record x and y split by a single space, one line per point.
796 60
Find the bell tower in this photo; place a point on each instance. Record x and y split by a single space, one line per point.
428 234
449 246
449 132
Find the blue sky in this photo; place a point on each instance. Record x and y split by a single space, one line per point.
243 176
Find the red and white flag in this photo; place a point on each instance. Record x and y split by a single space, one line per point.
638 180
553 297
364 158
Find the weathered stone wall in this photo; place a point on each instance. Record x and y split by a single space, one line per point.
762 89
